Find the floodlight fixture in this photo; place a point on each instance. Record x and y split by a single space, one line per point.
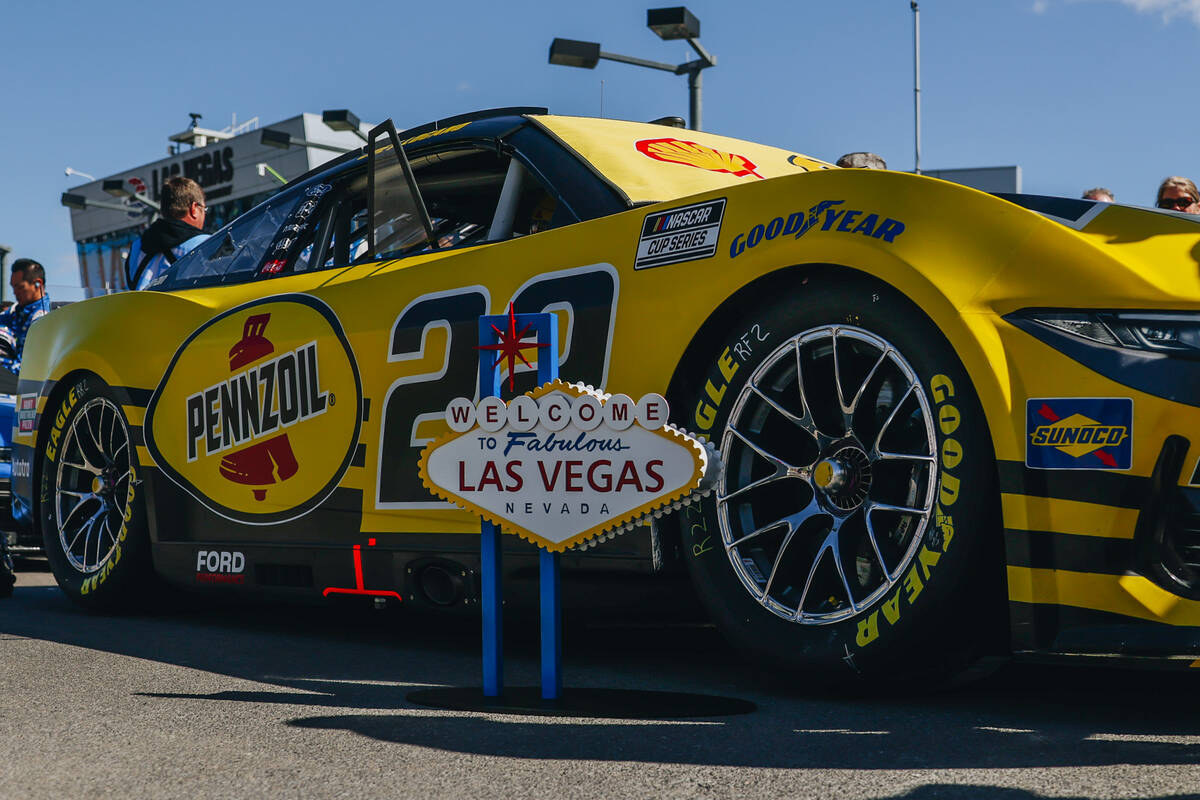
342 119
574 53
80 202
117 188
273 138
284 140
673 23
669 23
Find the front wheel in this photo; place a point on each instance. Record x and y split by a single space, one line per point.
850 529
91 510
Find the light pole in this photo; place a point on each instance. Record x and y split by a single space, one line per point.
669 24
69 171
80 202
340 119
916 85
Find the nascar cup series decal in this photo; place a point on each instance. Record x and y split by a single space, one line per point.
680 234
258 414
562 464
1079 433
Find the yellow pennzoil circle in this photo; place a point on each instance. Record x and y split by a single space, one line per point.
948 424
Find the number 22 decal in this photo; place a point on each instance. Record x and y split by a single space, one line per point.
588 295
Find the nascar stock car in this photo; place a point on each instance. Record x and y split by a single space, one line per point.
950 421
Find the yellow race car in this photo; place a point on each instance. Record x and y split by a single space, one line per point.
951 422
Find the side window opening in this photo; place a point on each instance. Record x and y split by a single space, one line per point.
469 194
232 252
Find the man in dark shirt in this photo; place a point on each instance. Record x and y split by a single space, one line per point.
178 231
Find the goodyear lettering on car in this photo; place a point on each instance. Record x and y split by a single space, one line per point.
680 234
1079 433
829 216
258 414
934 543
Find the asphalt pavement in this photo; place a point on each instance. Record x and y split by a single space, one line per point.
254 700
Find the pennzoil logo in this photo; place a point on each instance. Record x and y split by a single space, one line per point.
692 154
259 412
1079 433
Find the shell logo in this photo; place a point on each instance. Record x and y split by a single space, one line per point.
259 412
692 154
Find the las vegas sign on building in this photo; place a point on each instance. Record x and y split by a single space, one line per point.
564 465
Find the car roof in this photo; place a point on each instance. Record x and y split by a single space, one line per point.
642 161
650 163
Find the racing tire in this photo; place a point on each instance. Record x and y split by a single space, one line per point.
855 531
91 509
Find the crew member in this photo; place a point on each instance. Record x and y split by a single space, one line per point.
28 283
175 233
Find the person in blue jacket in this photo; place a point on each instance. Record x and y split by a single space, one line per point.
176 232
28 284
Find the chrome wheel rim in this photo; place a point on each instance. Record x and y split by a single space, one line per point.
831 475
91 494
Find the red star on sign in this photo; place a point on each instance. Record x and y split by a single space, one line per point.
509 347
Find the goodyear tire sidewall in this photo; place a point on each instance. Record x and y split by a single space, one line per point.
124 571
934 611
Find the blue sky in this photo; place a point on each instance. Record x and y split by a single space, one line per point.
1076 92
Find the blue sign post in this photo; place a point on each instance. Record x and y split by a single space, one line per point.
504 334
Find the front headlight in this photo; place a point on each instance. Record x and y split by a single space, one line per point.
1168 332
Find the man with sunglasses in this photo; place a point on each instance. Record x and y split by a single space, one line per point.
1177 193
178 231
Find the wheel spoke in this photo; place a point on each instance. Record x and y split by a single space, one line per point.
875 546
70 514
82 467
807 409
757 532
892 416
778 462
837 372
778 476
863 387
835 549
883 456
787 539
812 571
804 422
873 506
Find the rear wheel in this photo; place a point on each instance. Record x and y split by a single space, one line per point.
91 510
850 529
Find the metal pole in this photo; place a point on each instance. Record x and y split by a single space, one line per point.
694 100
4 251
917 84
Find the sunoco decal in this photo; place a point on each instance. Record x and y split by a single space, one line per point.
259 412
680 234
1079 433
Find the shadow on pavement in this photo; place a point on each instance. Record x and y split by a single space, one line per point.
360 666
